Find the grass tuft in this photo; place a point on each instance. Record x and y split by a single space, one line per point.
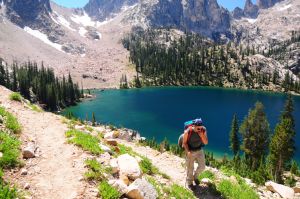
96 170
10 121
7 192
207 174
107 191
236 191
10 147
15 97
177 191
84 140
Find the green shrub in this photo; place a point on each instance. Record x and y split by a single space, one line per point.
207 174
125 149
294 168
10 121
107 191
7 192
96 170
15 97
236 191
10 147
147 167
35 108
177 191
85 141
290 181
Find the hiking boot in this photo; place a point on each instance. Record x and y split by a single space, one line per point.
190 186
197 182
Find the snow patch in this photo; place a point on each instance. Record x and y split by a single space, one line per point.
84 20
42 37
284 7
252 21
64 22
82 31
82 55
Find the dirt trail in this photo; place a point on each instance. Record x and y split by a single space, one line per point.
58 169
174 167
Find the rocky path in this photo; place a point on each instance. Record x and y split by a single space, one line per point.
57 170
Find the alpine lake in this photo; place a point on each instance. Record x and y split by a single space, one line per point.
160 112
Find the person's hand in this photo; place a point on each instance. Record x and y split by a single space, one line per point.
188 154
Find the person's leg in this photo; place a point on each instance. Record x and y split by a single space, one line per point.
200 159
190 169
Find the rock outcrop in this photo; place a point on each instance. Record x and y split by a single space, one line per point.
129 166
284 191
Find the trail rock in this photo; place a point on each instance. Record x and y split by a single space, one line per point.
112 142
129 166
26 186
28 151
284 191
24 172
114 165
141 189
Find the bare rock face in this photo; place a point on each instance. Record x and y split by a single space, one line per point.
202 16
250 9
263 4
105 9
238 13
284 191
129 166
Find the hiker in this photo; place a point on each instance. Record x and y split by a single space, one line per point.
194 138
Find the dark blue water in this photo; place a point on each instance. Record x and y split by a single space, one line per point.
161 112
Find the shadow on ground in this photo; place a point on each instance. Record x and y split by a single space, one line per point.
206 192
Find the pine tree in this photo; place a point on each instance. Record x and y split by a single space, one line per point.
255 131
93 119
282 145
234 140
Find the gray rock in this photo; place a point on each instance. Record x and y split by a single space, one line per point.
106 148
24 172
113 163
29 150
129 166
283 191
141 189
119 185
27 186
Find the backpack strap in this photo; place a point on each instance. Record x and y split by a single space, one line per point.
190 131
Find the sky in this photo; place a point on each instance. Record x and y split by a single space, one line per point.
229 4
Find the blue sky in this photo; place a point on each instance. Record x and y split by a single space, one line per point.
229 4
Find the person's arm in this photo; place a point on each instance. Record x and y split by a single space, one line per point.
184 143
203 136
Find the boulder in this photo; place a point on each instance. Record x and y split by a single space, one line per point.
124 135
119 185
296 189
109 135
111 142
141 189
113 163
283 191
129 166
105 148
28 151
125 179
